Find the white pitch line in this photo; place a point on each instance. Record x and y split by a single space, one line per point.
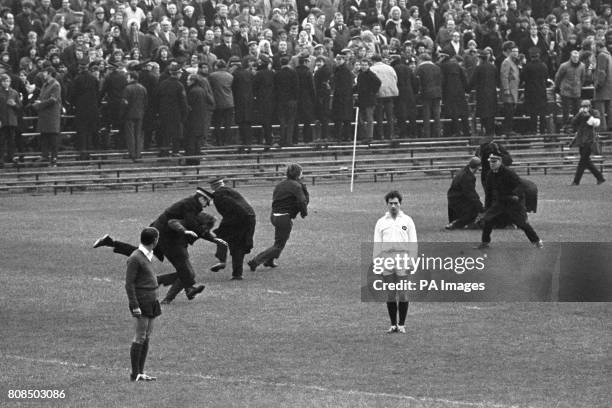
251 381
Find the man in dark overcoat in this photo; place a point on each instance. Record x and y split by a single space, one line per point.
484 82
342 102
112 90
405 104
242 89
200 101
171 105
306 99
150 81
368 85
85 89
454 102
533 77
263 93
430 86
236 228
286 91
463 201
322 84
10 112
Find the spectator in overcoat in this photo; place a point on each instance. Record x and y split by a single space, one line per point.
342 102
85 88
223 117
135 100
286 91
430 86
198 101
509 83
484 82
306 99
49 108
602 81
150 80
533 77
171 106
263 92
242 89
405 104
323 89
368 86
454 86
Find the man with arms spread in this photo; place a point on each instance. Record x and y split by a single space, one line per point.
395 234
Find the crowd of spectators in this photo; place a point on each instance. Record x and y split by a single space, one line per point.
162 73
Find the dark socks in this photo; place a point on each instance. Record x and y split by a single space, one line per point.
392 309
135 352
143 356
403 311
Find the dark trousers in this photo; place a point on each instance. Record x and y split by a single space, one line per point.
515 213
569 107
384 111
343 130
282 230
223 119
265 134
454 128
85 138
286 118
133 137
170 134
237 254
431 108
406 118
586 163
605 110
48 145
7 143
488 125
461 213
509 111
192 146
536 119
244 129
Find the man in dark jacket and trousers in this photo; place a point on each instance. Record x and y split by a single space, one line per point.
265 101
585 122
85 88
290 198
503 199
112 89
463 201
430 85
236 228
454 84
135 101
306 99
286 91
368 85
172 109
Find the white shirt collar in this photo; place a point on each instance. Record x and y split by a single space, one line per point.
146 252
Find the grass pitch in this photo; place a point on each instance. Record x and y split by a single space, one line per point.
296 336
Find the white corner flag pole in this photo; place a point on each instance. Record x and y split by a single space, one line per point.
354 147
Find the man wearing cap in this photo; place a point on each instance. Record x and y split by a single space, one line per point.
227 48
171 106
504 198
179 226
464 203
236 228
585 122
290 198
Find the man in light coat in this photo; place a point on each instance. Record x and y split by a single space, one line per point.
568 83
602 80
509 80
387 93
